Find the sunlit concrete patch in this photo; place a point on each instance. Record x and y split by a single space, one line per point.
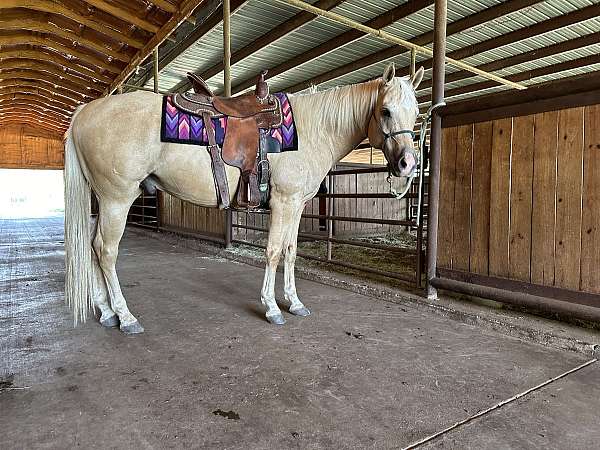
356 373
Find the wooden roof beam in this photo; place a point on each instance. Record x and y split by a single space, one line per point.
186 8
543 52
53 7
27 39
53 131
268 38
26 103
164 5
47 83
211 21
49 62
55 77
49 94
5 109
465 23
18 113
522 76
41 26
381 21
124 15
39 99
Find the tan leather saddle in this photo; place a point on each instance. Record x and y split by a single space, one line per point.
250 118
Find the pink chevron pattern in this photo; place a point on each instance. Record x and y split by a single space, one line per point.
180 127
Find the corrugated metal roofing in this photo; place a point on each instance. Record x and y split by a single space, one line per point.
257 17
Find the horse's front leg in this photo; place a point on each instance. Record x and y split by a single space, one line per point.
280 230
291 296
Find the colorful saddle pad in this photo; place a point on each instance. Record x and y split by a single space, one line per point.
181 127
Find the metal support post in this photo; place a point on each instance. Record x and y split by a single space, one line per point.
227 92
439 52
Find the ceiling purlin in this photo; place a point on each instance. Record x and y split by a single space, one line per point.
49 74
46 42
19 113
46 60
44 26
60 97
57 85
125 14
86 16
51 130
34 111
40 98
44 106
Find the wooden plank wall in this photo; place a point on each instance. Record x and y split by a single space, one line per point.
185 216
182 215
24 147
520 198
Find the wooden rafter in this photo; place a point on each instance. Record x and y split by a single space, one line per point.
27 80
123 14
458 26
20 113
38 59
518 35
266 39
58 8
25 38
50 94
41 26
538 53
164 5
43 100
523 76
52 130
343 39
26 111
29 102
207 25
55 77
186 8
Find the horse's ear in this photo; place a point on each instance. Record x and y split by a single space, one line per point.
389 73
417 78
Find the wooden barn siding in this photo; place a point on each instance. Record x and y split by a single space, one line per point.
182 215
24 147
520 198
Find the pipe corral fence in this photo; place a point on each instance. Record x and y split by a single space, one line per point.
353 210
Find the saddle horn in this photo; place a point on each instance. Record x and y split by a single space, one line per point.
262 88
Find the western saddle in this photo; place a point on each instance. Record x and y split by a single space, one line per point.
250 117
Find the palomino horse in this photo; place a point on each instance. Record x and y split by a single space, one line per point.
114 143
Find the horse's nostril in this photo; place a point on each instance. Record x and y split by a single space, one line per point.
402 163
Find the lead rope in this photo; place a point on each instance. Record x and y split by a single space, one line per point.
422 136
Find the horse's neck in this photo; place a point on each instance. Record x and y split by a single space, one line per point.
340 116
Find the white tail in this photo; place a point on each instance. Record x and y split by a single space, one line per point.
78 245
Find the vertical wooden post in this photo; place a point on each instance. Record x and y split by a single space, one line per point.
155 61
227 93
439 53
413 62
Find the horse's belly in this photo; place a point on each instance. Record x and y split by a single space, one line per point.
185 171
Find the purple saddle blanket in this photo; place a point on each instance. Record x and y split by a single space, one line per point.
181 127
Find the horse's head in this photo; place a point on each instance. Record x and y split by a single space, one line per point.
393 119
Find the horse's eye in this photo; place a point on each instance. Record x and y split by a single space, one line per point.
385 112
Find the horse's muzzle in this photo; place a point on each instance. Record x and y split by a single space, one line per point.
407 164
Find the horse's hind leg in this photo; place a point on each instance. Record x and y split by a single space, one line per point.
111 224
291 245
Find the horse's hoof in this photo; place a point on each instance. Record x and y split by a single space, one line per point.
302 311
111 322
132 328
277 319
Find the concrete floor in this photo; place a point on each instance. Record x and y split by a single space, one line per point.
210 372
